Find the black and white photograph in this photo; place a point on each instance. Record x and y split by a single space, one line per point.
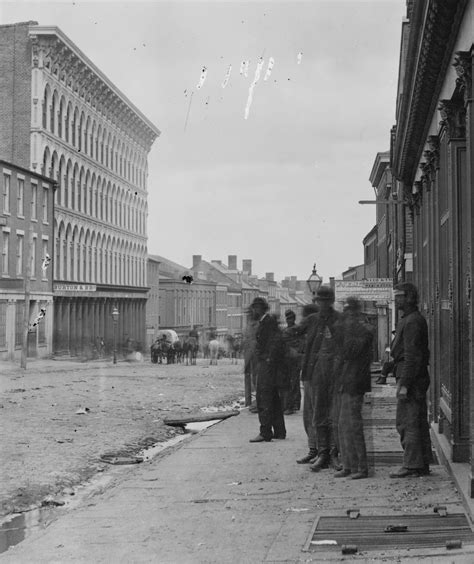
236 311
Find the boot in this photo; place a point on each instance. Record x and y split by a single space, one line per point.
335 463
309 458
321 462
342 473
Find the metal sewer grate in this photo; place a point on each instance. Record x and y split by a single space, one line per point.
368 532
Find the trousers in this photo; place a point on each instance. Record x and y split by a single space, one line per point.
323 392
293 393
308 410
412 426
351 433
269 403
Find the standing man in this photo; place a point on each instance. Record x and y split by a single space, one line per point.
307 328
292 399
323 357
268 353
411 356
356 356
250 374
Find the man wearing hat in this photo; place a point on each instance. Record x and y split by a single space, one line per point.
356 337
322 358
293 354
410 353
268 353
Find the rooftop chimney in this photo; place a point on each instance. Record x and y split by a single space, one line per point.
270 276
247 266
196 260
232 262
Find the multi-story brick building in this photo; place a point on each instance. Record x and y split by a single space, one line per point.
63 118
26 281
432 158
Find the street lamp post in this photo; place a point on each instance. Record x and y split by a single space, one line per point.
115 316
314 282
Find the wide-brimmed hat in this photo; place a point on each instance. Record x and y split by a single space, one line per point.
261 302
325 294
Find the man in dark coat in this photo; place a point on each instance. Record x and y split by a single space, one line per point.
411 356
307 328
356 337
293 356
268 354
322 359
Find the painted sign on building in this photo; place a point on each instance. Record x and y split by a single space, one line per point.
378 290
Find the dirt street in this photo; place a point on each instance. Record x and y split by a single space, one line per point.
59 418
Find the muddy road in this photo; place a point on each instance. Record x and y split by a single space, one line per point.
61 420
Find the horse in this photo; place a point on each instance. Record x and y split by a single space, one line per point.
234 345
160 349
190 349
178 350
155 351
214 347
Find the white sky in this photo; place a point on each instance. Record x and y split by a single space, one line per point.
281 187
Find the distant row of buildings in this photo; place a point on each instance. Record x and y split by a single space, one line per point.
217 300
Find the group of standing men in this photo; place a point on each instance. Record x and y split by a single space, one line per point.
331 352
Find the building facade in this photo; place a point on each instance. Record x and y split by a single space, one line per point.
63 118
26 281
433 164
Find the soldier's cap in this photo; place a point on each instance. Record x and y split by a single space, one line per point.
325 294
290 313
406 289
260 301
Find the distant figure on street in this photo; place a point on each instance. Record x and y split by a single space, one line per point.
388 366
356 338
268 352
411 356
293 357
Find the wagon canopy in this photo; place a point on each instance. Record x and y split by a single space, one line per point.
171 336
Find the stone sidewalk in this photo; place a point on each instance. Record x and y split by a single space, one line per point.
216 498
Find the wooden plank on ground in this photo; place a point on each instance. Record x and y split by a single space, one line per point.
181 420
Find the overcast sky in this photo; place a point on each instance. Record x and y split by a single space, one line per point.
282 186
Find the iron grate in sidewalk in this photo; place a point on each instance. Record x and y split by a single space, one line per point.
379 422
371 532
387 458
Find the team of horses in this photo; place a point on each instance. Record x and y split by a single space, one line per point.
186 352
178 352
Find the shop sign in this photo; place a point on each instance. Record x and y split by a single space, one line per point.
74 287
378 290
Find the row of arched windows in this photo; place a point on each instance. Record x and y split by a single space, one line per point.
83 190
86 256
89 136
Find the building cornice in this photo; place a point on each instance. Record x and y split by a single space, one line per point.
90 77
433 29
382 161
